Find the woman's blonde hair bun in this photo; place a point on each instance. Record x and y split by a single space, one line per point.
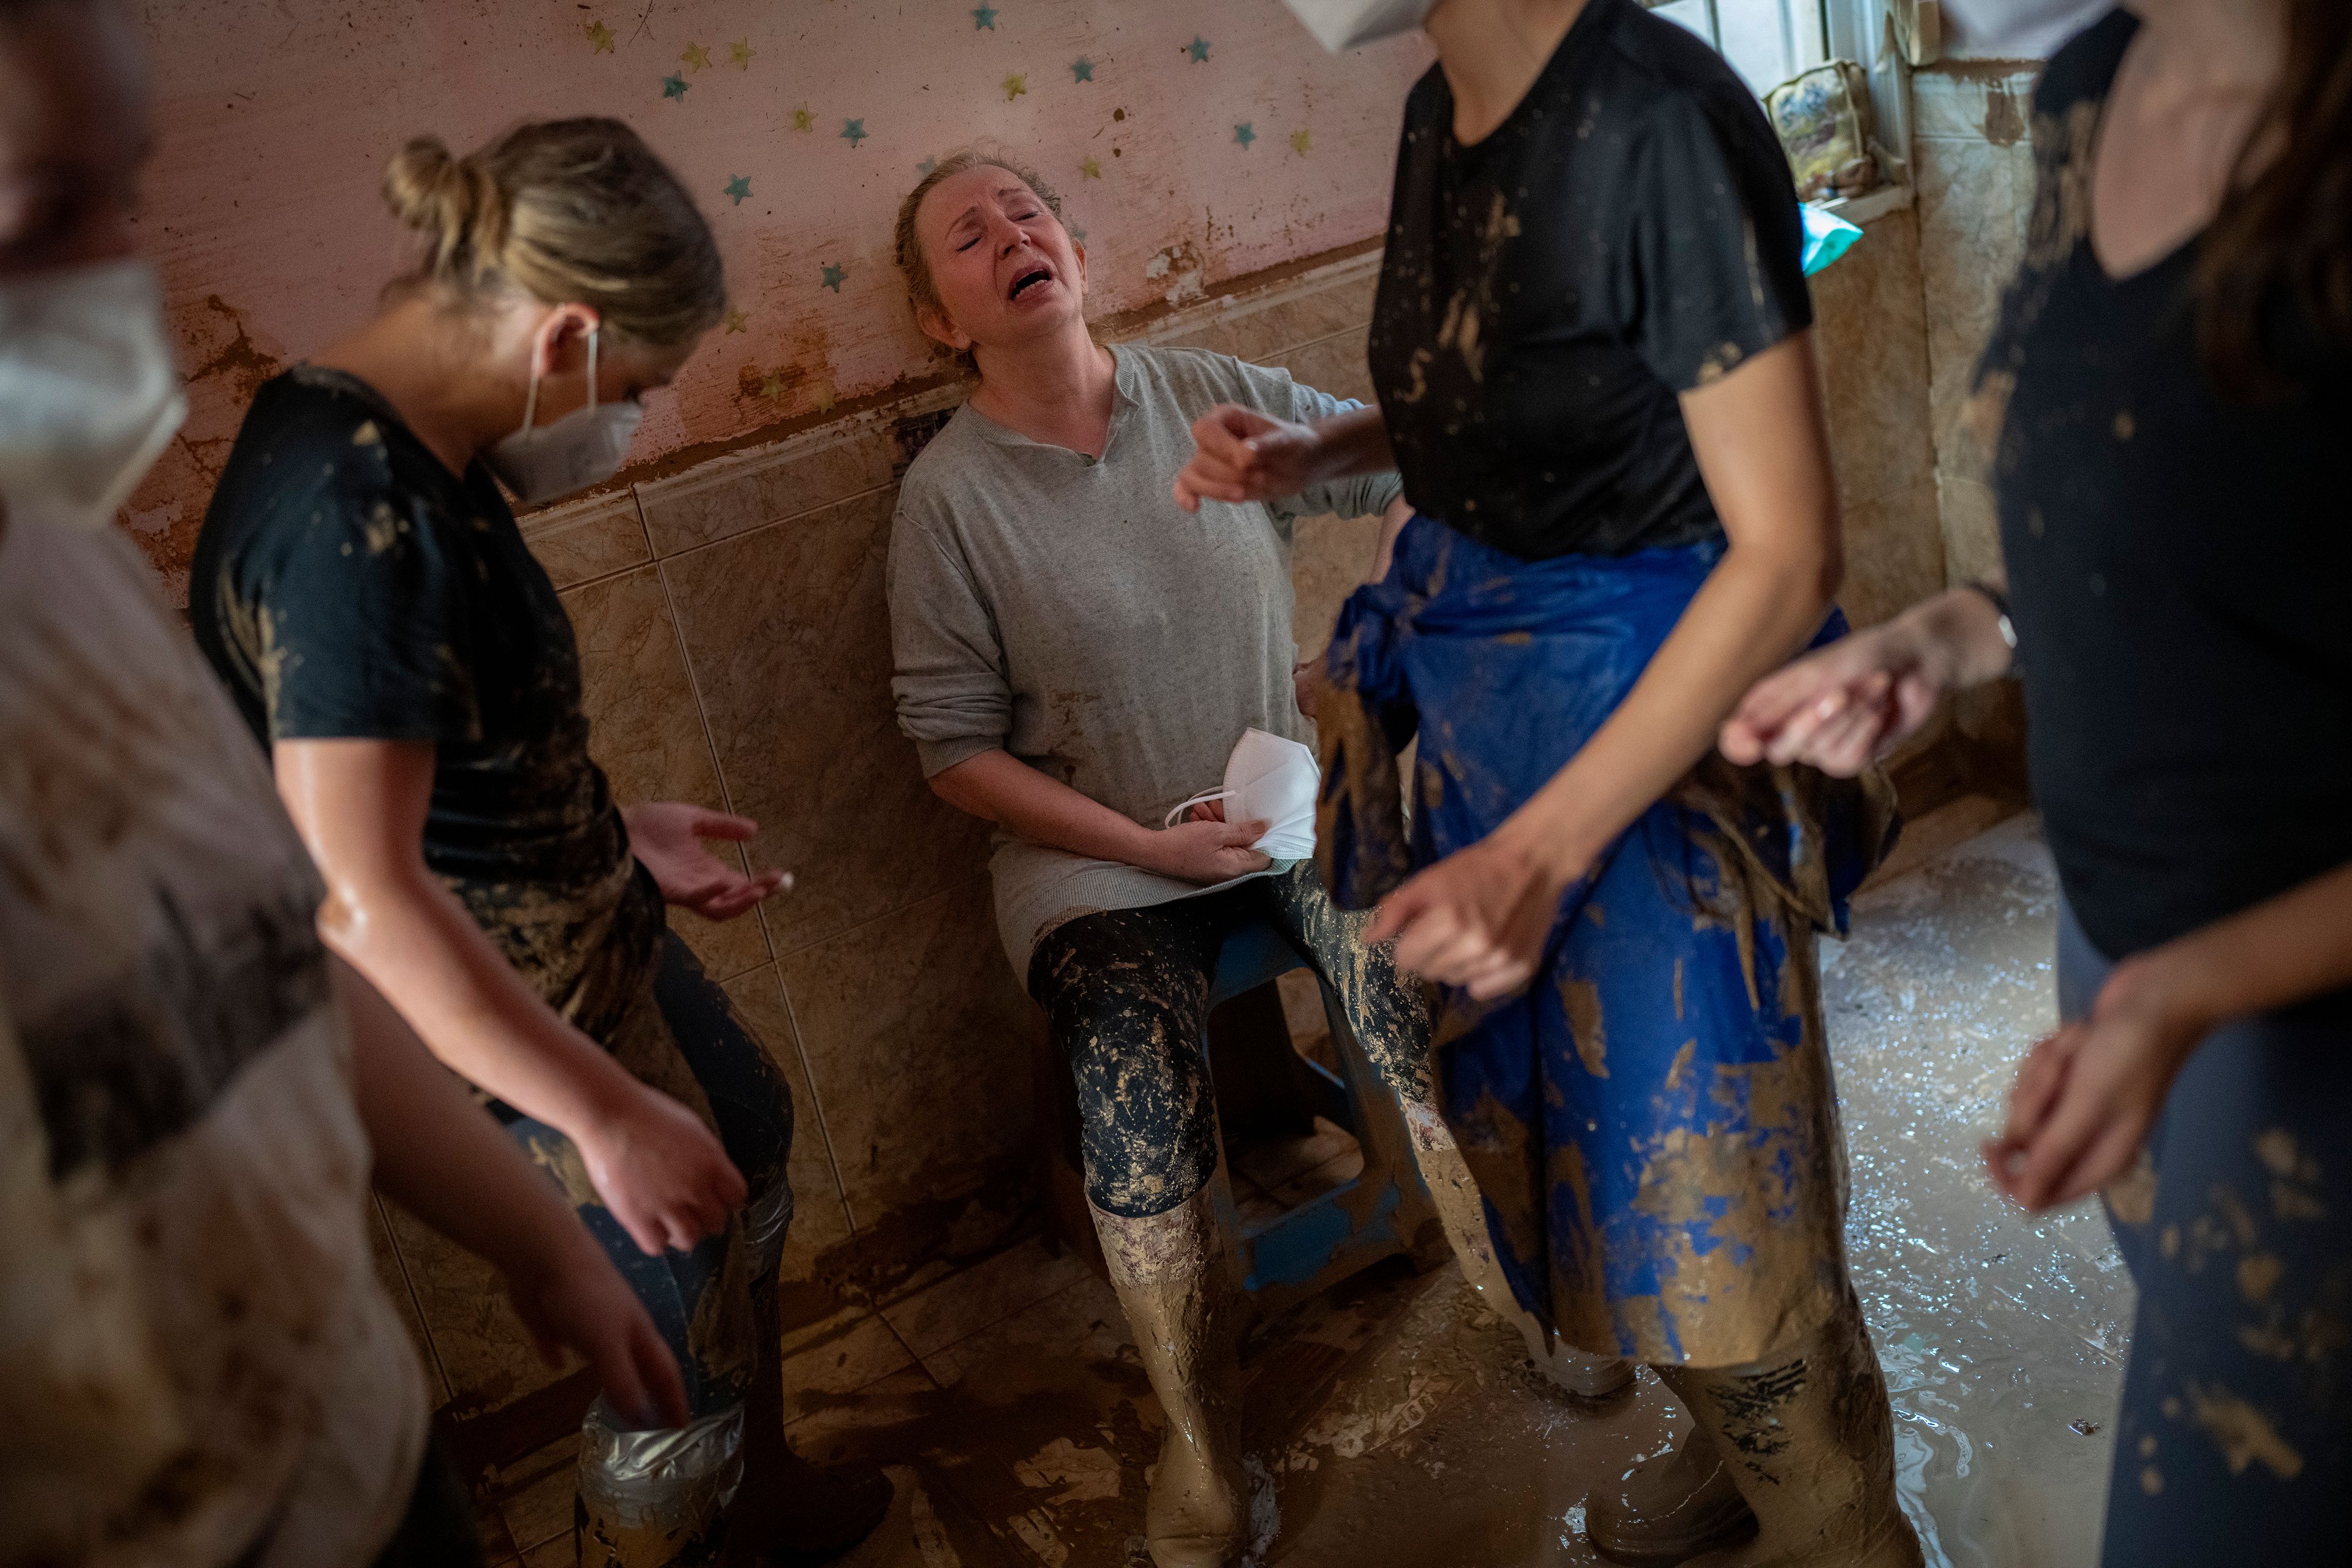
569 211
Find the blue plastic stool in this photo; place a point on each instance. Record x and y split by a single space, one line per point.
1384 1212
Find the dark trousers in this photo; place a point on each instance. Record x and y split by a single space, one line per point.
2235 1441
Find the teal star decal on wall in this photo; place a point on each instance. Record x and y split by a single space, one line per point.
1198 49
1245 135
853 132
739 187
833 276
983 16
673 86
1082 69
926 166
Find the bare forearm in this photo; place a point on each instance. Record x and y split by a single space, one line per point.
437 1154
415 944
2283 950
1958 637
1005 790
1356 442
1754 610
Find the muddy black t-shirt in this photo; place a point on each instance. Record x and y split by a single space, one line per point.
2179 563
348 585
1629 232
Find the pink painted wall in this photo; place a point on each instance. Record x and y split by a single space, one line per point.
277 116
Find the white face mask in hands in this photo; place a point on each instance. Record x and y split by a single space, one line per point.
1273 781
1343 24
583 447
89 395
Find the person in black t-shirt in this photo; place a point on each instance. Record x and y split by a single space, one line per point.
2163 399
1592 351
361 585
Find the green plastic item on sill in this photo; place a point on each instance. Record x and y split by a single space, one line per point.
1827 237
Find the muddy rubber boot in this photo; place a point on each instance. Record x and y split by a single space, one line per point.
1809 1439
789 1514
1671 1508
1177 1286
1589 1378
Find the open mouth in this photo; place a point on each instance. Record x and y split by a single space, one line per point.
1035 275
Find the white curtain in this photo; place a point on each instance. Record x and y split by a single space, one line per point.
2015 29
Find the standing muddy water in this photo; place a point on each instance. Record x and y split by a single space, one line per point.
1395 1422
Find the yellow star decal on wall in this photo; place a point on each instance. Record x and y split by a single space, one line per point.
697 58
824 398
1089 168
804 119
1300 142
739 53
1014 87
599 38
735 321
772 387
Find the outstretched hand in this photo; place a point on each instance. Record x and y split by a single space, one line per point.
1839 708
1477 919
665 1176
2085 1097
667 836
577 1300
1241 455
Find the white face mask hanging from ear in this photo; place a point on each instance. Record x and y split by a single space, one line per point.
583 447
1273 781
89 395
1343 24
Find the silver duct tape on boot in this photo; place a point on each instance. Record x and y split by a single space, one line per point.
766 1220
648 1494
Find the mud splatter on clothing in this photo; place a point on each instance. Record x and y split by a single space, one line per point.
348 585
1126 993
2237 1226
1652 1123
681 1035
2178 561
1629 232
203 1366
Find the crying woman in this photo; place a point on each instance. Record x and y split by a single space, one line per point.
1079 656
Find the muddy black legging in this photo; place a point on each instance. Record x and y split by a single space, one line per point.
1127 994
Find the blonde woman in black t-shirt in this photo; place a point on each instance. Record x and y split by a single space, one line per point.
360 586
2166 398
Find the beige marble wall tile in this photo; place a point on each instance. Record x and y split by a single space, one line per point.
742 490
583 540
920 1044
1894 554
981 1296
488 1354
1977 100
1871 337
390 1268
1971 528
1329 559
1333 364
1974 199
789 636
646 734
1283 319
820 1218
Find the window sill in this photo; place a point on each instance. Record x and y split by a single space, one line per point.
1862 209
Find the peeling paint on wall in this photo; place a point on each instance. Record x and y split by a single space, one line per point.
798 128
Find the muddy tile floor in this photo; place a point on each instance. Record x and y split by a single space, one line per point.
1395 1422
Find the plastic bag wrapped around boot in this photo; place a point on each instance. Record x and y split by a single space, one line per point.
652 1499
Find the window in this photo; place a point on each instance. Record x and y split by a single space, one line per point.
1769 41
